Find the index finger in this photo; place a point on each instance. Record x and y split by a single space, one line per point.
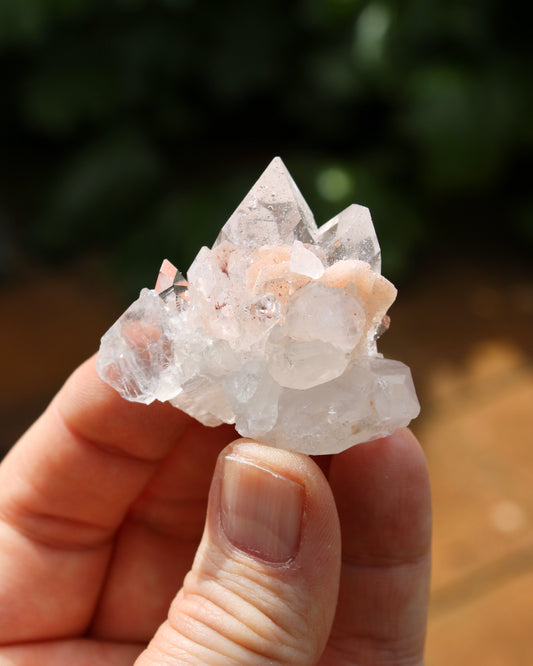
383 498
64 490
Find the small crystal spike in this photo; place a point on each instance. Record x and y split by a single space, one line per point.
351 235
168 273
383 327
171 283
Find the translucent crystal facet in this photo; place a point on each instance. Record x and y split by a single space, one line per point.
351 235
274 331
273 213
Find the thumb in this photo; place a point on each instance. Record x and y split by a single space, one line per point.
264 582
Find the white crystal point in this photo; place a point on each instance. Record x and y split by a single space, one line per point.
275 331
351 235
137 353
168 274
371 399
171 285
273 212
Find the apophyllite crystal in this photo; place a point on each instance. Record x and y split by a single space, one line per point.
275 329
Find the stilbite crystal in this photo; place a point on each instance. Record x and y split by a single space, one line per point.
275 330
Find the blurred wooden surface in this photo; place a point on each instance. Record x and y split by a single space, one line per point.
466 332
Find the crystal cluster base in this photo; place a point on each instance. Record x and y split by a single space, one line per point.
274 330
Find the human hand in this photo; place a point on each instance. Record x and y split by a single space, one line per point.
102 507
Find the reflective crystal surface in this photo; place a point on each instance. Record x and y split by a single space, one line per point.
275 329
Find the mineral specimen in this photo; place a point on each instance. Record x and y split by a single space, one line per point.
274 331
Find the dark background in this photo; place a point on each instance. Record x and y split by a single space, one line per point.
131 129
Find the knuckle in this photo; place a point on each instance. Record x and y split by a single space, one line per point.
243 618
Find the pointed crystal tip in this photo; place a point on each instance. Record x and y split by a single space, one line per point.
351 235
167 274
273 212
170 282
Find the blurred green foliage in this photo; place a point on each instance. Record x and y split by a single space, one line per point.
133 127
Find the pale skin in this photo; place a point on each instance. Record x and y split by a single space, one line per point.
106 556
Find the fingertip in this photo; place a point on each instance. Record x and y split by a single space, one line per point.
383 498
95 410
382 492
319 522
270 555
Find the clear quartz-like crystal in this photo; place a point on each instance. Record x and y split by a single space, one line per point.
349 235
273 213
275 330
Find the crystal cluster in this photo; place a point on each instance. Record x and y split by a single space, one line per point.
274 330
